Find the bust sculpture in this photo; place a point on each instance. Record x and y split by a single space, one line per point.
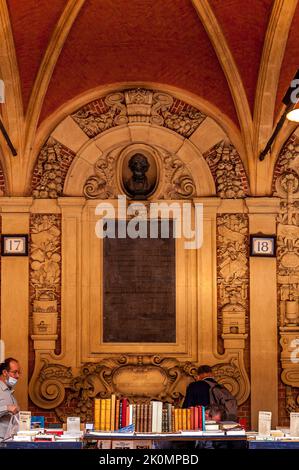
138 184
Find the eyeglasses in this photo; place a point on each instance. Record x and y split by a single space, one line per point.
14 372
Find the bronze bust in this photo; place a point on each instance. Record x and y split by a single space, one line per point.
138 185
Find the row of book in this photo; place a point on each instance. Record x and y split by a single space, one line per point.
112 414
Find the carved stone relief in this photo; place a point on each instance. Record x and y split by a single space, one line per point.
138 105
45 274
140 378
177 180
286 186
52 166
228 171
232 277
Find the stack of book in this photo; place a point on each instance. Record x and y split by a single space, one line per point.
112 414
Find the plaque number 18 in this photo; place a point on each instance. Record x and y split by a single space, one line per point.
263 246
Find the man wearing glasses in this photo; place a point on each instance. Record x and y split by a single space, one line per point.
9 374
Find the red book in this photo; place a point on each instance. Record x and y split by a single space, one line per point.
124 412
192 417
196 418
200 417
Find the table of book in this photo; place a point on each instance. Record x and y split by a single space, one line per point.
176 436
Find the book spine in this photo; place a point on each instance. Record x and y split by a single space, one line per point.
124 412
103 413
112 419
188 424
120 413
117 414
138 417
108 415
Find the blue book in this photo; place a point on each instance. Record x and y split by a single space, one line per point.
203 409
129 428
37 422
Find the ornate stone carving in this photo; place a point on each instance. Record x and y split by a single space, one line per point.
179 183
292 400
177 180
138 105
52 166
233 275
45 272
286 186
47 389
185 121
228 171
230 375
93 122
140 378
102 184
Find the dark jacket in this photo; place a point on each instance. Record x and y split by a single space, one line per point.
198 393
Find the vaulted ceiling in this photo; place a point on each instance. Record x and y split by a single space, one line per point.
236 56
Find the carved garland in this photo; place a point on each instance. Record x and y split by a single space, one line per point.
228 171
45 274
286 186
52 166
232 277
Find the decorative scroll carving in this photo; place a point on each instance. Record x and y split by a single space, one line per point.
47 389
177 180
45 272
233 275
228 171
140 378
52 166
230 375
102 185
286 187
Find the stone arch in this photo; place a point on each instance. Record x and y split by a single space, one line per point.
137 115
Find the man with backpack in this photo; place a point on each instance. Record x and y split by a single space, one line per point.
207 391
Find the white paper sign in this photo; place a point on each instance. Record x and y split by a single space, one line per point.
294 424
73 424
24 420
265 423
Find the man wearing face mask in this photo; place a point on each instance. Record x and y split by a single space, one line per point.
9 374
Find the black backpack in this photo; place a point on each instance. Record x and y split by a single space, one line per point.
219 395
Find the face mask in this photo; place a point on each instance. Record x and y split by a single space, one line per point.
11 382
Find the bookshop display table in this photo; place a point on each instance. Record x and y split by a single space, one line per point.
41 445
269 444
153 438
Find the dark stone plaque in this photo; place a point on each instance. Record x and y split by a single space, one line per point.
139 290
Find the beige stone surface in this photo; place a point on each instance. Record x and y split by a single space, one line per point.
69 134
263 316
208 134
